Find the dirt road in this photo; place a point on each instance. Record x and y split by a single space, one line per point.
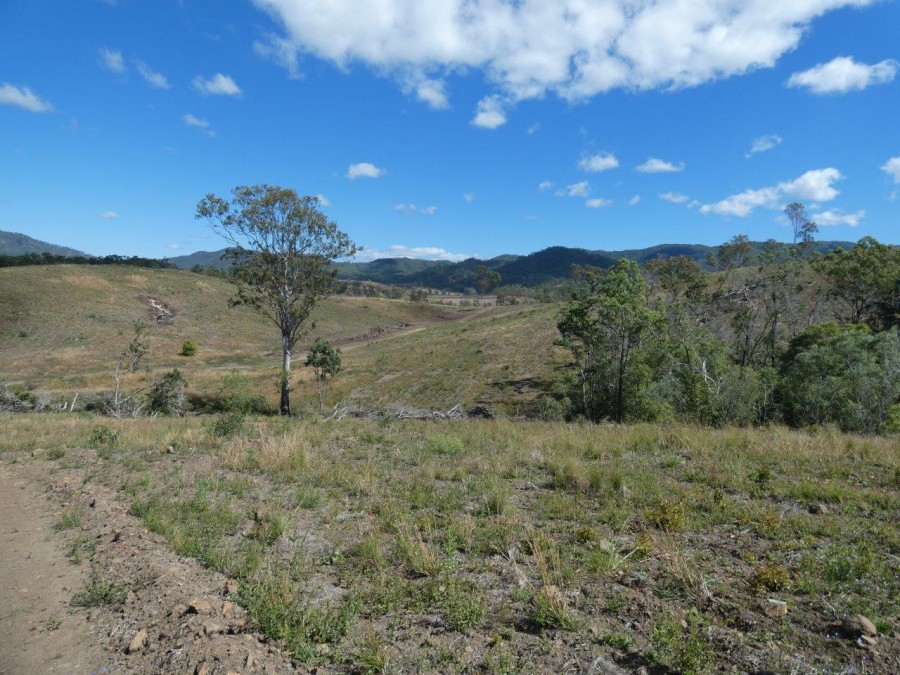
39 631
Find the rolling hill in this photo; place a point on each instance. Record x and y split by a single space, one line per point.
14 243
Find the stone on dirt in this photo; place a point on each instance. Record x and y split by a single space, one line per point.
198 606
857 624
138 641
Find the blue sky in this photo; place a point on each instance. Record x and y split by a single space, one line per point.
451 128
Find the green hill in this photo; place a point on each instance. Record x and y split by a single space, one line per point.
13 243
552 264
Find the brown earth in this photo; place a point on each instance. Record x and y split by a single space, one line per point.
191 625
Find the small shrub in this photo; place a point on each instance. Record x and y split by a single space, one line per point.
188 348
667 515
770 577
227 425
687 649
103 437
236 396
99 591
463 605
167 396
70 519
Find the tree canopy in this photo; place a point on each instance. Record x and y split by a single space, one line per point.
283 248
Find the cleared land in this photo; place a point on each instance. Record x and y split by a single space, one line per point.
399 546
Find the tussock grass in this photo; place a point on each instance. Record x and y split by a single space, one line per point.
358 534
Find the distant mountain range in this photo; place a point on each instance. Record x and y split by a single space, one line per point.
551 264
13 243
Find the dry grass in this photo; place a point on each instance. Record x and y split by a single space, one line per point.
507 534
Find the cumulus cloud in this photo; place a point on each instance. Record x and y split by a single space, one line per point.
108 215
23 98
674 197
545 185
764 143
634 201
573 48
323 200
598 202
490 113
420 252
814 186
150 76
843 74
112 60
580 189
198 123
432 92
838 218
534 128
655 165
218 84
469 196
363 170
597 163
892 168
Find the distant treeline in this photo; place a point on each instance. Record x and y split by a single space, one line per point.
51 259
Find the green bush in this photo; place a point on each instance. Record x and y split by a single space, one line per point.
167 396
103 437
236 396
188 348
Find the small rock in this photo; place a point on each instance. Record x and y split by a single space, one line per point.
213 629
170 450
776 609
198 606
856 625
250 662
818 509
179 609
130 597
227 608
323 649
202 669
866 642
93 503
231 587
138 641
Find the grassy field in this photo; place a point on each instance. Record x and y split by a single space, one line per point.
501 547
62 328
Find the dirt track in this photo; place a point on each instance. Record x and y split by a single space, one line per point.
39 631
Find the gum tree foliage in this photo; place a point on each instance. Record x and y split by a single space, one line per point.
325 360
283 248
602 325
866 283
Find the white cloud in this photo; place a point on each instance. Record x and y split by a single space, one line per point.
412 208
490 113
545 185
674 197
597 163
838 218
764 143
23 98
655 165
419 252
152 78
843 74
363 170
573 48
199 123
174 247
598 202
892 168
218 84
815 186
580 189
634 201
323 200
534 128
112 60
469 196
432 92
108 215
